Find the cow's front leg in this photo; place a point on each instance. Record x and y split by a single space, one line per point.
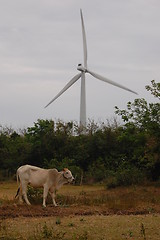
53 195
45 193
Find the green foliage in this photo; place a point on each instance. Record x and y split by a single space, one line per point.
143 119
47 232
97 171
14 151
154 89
58 221
35 195
125 176
143 231
145 116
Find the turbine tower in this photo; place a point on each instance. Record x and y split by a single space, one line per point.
83 70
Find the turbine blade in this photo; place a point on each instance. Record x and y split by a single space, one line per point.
68 85
84 40
109 81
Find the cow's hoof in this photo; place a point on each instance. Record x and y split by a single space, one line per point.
53 205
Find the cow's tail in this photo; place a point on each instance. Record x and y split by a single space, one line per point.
18 182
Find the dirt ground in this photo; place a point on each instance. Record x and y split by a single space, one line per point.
14 211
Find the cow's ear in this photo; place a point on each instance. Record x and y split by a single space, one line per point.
64 169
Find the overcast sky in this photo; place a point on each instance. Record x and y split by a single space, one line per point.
41 45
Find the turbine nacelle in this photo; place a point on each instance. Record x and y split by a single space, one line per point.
81 68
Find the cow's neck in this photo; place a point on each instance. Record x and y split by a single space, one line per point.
61 180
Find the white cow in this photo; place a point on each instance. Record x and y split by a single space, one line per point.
50 179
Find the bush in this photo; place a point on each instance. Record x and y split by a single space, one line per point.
35 195
97 172
125 177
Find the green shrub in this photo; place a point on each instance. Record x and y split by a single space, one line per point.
125 177
35 195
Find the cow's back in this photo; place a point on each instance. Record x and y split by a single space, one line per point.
35 176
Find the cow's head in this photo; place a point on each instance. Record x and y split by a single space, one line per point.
68 175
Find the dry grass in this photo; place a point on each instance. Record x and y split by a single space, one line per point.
88 227
134 197
8 190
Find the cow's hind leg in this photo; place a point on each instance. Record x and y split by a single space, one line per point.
24 193
45 193
53 195
20 195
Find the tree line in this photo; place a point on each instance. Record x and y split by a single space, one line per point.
108 152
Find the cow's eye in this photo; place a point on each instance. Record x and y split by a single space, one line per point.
66 172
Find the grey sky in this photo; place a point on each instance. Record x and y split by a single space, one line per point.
41 45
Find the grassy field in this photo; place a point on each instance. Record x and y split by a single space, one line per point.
85 212
86 227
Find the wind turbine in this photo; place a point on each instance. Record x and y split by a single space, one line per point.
83 70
